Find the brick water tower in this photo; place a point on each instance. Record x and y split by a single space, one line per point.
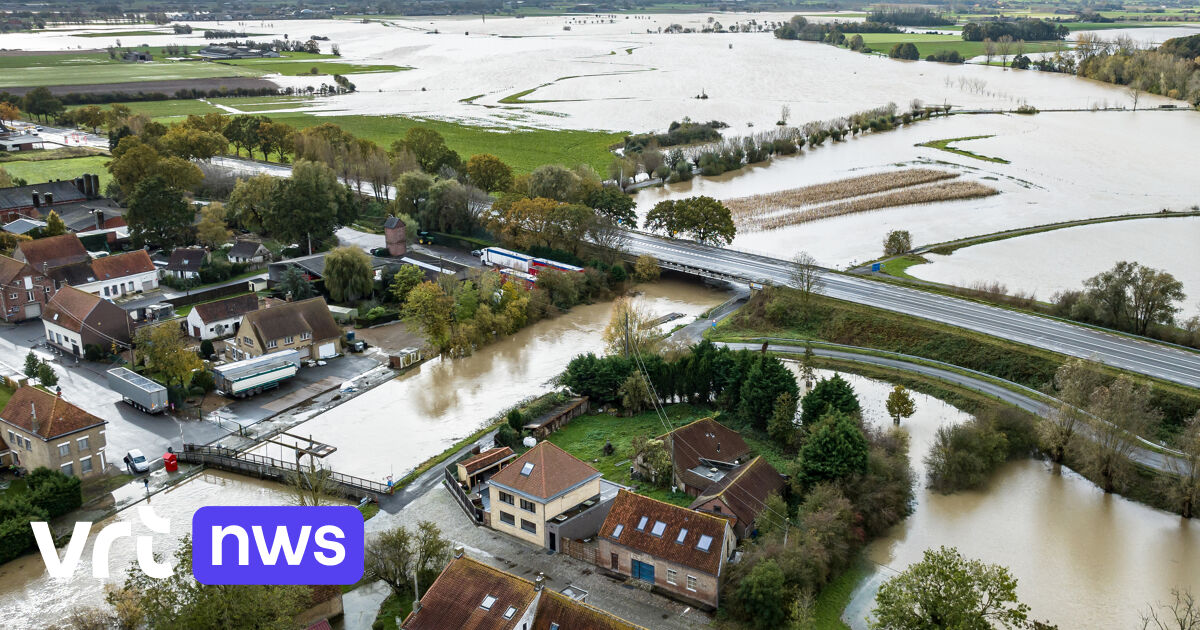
395 236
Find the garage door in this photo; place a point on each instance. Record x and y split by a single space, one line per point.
326 350
33 310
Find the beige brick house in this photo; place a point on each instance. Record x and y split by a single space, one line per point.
42 429
306 326
536 487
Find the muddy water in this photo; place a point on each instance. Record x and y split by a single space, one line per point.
1055 261
1061 167
1083 560
394 427
30 598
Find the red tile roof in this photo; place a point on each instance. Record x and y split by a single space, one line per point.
70 307
228 308
745 489
53 251
486 458
455 599
54 416
121 265
10 268
553 472
708 439
568 614
629 510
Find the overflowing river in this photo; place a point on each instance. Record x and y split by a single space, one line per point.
1060 260
394 427
1083 560
29 598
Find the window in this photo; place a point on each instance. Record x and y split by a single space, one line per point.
616 530
64 449
509 612
12 438
506 498
105 292
288 340
507 518
658 529
672 576
615 562
68 468
642 523
705 542
13 295
271 343
717 509
488 601
681 536
553 626
28 444
305 335
527 469
528 526
29 296
81 444
691 583
47 289
248 341
528 506
85 465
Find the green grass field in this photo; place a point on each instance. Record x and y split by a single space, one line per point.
124 33
305 67
930 44
523 149
170 109
944 145
70 168
585 437
95 68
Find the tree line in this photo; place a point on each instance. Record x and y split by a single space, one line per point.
1028 29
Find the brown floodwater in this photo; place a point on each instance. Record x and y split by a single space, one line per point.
30 598
394 427
1083 559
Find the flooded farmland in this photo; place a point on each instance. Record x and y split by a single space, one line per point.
1055 261
394 427
1082 559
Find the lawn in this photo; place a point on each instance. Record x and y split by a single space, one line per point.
944 145
585 437
929 44
69 168
170 109
833 599
6 393
304 67
123 33
898 267
393 608
95 68
523 149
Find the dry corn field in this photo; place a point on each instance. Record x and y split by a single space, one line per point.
833 191
945 191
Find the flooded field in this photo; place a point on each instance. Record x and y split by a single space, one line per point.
29 598
1061 167
1062 259
394 427
1082 559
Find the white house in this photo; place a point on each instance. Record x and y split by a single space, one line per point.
116 276
248 253
213 320
185 263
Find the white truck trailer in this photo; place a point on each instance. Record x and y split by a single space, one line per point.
137 390
253 376
500 257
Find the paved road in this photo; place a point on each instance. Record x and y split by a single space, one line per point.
1167 363
1143 357
991 386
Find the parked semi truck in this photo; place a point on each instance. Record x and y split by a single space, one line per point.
500 257
253 376
137 390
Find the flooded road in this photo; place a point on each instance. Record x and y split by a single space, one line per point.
1083 560
30 598
1061 260
394 427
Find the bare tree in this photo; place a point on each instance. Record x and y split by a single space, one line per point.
805 276
1122 411
390 557
1074 382
1182 485
1135 95
312 486
1181 614
989 49
1004 46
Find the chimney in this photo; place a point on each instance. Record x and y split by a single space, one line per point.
416 605
33 418
37 201
99 218
79 184
49 199
458 552
539 582
96 192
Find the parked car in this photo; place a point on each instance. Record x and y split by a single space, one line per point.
477 252
136 462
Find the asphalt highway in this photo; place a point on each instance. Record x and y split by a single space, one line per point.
1143 357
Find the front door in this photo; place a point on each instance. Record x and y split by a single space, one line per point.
642 571
553 538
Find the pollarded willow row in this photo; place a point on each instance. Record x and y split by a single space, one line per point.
945 191
748 207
